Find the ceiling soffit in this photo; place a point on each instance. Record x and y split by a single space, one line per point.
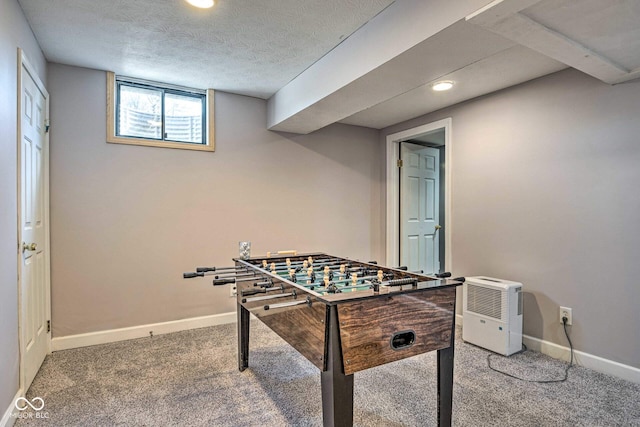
598 37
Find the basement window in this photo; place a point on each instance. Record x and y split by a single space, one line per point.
154 114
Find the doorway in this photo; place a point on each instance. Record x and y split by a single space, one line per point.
419 237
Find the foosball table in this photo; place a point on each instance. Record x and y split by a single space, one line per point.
346 316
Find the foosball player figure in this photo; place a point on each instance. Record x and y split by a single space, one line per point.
311 275
375 285
292 275
333 289
328 272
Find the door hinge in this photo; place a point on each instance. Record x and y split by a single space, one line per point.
47 125
48 325
399 163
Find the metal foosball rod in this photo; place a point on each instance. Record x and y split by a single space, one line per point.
288 304
305 272
303 264
247 279
254 291
218 272
222 275
344 273
375 285
400 282
230 279
340 268
316 265
363 286
338 281
207 269
190 275
309 260
267 297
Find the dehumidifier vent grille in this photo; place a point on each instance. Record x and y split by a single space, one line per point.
485 301
519 291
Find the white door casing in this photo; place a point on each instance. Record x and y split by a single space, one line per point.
420 208
33 231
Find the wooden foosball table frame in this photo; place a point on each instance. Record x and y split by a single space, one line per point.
347 332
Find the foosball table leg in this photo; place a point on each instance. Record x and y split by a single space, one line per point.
445 382
243 338
337 388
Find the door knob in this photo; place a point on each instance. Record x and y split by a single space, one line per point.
438 226
29 247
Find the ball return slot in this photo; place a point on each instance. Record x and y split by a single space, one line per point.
402 340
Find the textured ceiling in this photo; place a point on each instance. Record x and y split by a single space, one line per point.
379 76
248 47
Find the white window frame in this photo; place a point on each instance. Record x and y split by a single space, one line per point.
113 138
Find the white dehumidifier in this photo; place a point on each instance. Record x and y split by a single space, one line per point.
492 314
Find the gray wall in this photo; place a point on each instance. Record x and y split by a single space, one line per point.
545 191
14 33
128 220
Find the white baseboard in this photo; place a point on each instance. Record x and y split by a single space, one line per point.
11 414
581 358
556 351
113 335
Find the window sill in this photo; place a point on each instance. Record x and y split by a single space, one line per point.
163 144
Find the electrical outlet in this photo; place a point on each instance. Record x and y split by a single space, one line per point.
566 312
233 290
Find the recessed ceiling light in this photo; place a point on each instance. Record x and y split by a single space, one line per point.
442 85
203 4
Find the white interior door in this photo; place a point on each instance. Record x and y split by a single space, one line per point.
34 272
420 208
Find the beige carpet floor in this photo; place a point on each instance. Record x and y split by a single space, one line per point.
191 379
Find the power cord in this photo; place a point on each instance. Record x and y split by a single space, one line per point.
566 371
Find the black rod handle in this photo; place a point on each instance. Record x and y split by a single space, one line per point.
443 275
254 291
206 269
191 275
218 282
